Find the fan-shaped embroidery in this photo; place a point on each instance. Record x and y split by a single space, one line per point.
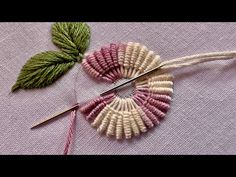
128 117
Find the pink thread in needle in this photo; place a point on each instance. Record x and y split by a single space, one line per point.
71 132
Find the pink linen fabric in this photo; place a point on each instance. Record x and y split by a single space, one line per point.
202 117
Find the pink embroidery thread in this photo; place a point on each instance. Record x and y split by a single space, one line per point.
71 131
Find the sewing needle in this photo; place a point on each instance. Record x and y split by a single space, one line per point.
102 94
54 116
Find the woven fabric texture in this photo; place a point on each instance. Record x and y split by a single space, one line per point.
202 118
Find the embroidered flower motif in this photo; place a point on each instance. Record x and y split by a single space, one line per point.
150 101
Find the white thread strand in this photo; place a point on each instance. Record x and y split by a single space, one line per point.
195 59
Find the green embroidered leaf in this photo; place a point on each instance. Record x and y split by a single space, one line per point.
72 37
43 69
